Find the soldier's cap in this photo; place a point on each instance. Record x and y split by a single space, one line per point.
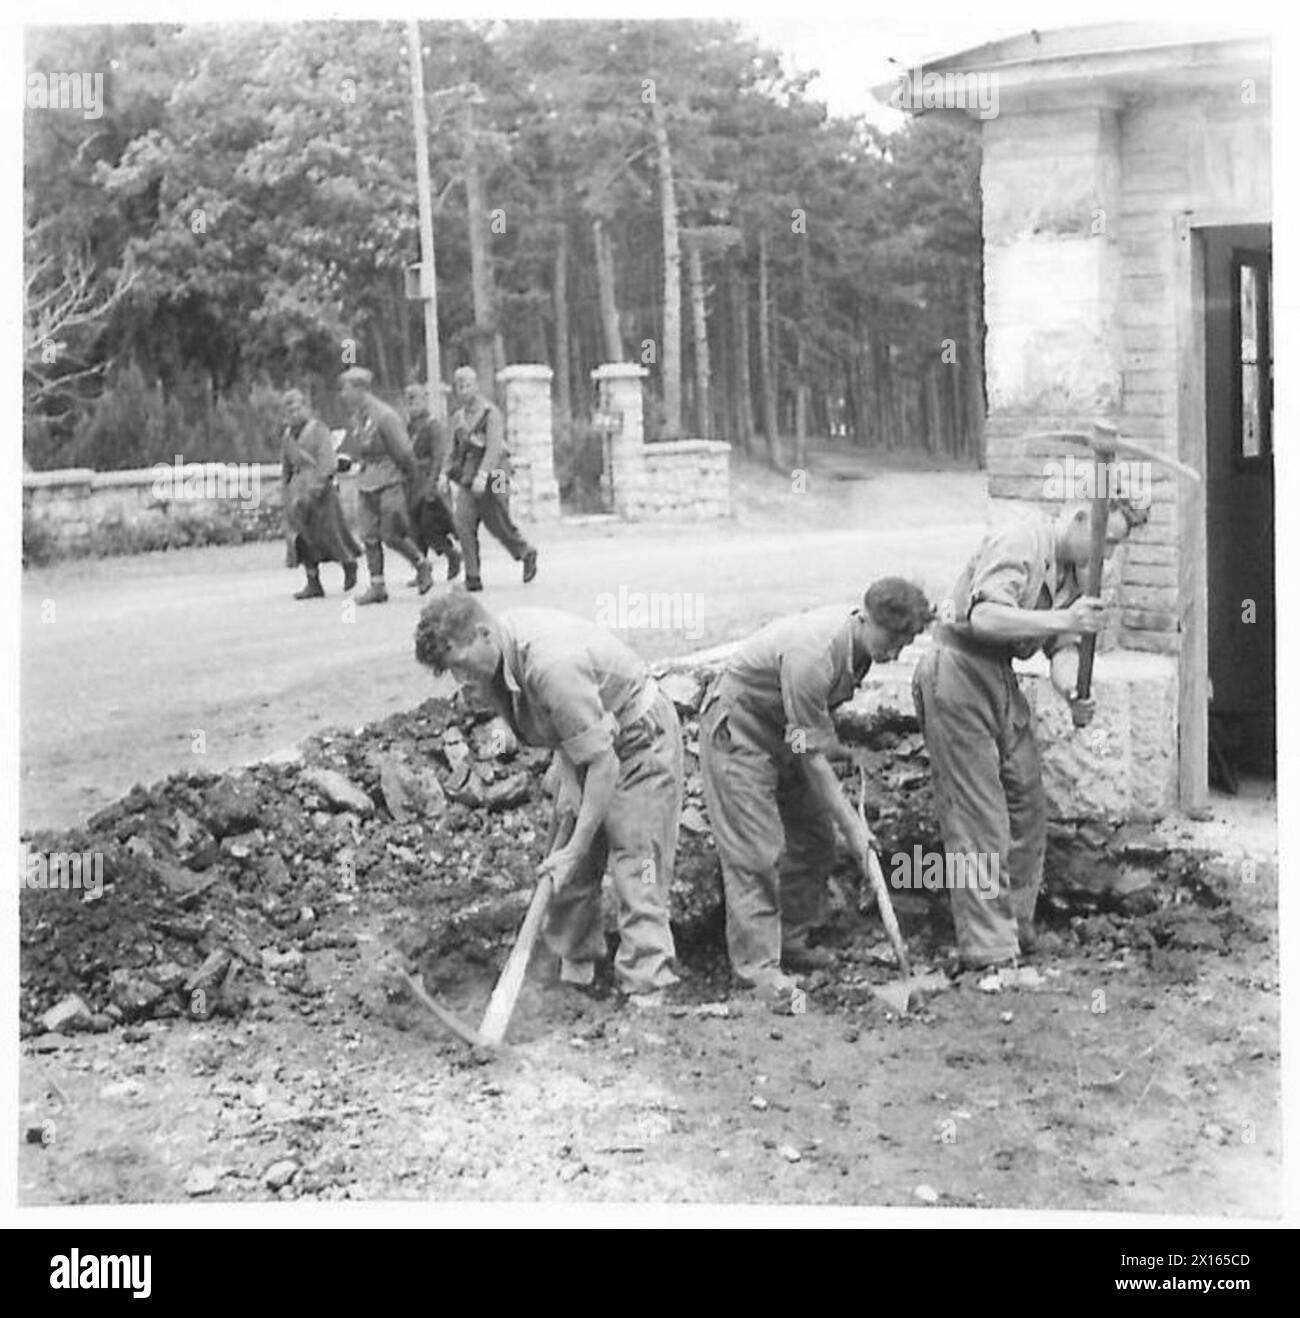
465 373
416 391
290 397
358 375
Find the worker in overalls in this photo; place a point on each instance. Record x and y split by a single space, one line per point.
562 682
766 743
1020 592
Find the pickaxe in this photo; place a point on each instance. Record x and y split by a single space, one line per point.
496 1019
1106 443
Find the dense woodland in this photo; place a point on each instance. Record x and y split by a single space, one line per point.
664 193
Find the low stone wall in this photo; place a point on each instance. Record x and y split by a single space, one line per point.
684 478
77 510
1122 767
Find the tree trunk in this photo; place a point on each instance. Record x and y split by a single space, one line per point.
767 373
560 291
744 423
670 354
699 322
606 293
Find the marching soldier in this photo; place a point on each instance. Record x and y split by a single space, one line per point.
314 522
766 738
479 467
1019 593
561 681
387 467
430 517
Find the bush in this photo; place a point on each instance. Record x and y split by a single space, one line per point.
134 424
579 466
40 544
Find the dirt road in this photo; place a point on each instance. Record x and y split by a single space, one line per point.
133 668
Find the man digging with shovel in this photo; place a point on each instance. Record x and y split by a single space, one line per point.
562 682
773 799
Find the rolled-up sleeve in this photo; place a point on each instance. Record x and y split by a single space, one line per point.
569 698
806 679
1003 572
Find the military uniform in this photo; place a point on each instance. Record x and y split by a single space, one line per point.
478 444
313 517
387 463
984 762
569 685
769 707
430 517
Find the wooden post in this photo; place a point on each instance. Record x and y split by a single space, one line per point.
1193 659
428 273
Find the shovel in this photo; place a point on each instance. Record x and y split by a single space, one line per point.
896 994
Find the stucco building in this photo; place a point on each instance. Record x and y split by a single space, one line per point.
1127 228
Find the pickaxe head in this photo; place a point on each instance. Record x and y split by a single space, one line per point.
1107 444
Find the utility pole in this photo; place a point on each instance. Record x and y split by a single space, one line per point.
428 278
487 349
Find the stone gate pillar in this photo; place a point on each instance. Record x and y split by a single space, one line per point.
526 395
620 415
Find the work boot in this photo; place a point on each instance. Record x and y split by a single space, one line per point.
801 958
377 594
530 565
453 563
781 993
349 575
424 576
654 999
313 590
473 583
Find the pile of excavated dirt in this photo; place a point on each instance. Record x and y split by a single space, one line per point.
428 826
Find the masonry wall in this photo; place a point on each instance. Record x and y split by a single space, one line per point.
1201 153
1080 208
687 478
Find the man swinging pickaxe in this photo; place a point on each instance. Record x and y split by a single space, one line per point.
1110 483
1018 594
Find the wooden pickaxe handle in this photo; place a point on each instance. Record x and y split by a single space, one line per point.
1096 560
501 1005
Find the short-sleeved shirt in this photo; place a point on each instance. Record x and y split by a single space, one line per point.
792 673
384 447
1014 565
571 685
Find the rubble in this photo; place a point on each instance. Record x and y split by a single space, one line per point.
338 791
426 829
70 1014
